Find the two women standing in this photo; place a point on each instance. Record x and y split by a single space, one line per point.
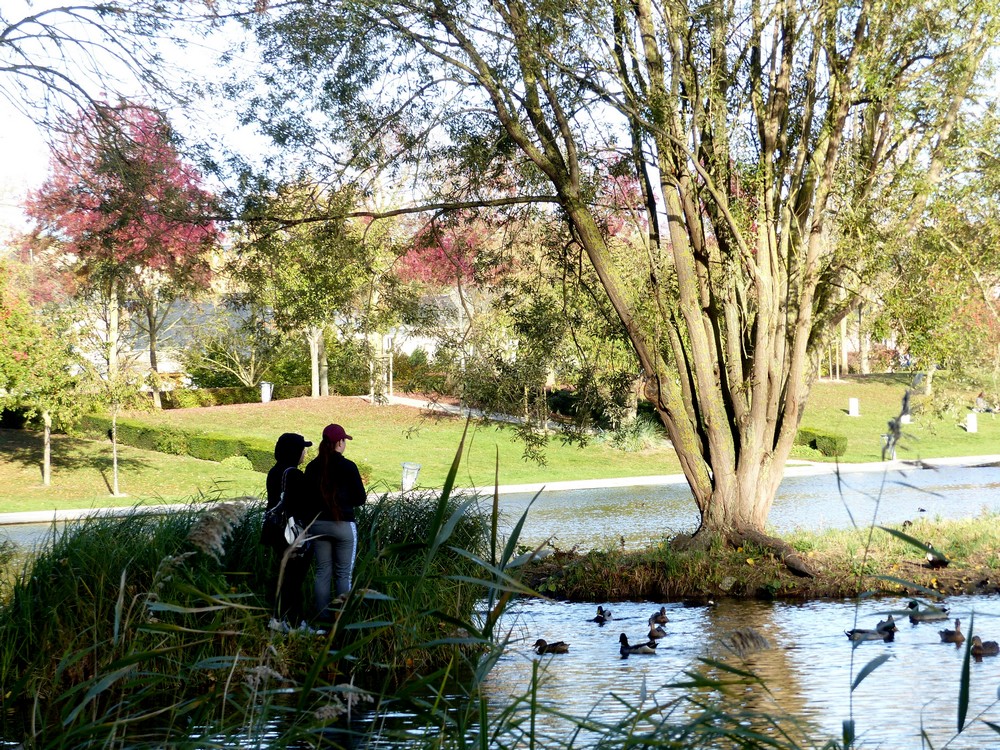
324 499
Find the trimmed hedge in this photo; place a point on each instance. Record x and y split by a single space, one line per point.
205 446
189 398
827 443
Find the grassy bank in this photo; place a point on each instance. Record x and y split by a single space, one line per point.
849 562
387 436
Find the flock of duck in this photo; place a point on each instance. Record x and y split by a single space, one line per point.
656 622
747 639
886 630
741 641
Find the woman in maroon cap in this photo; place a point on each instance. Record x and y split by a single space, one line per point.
335 489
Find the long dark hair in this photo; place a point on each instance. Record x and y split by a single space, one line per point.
327 487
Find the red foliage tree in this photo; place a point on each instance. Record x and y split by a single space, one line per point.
443 255
131 212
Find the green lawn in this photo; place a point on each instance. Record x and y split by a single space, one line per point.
880 399
387 436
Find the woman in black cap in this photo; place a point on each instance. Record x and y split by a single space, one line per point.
285 476
335 489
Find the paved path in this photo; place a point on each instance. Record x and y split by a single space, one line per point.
793 469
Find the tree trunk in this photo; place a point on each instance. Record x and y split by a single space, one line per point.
864 351
154 369
113 342
844 365
314 335
927 381
47 449
324 367
631 411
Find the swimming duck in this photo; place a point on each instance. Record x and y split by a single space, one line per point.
627 650
603 615
544 647
927 614
861 634
656 632
659 618
984 648
885 631
884 626
952 636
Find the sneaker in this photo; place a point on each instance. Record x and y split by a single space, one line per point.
305 628
279 626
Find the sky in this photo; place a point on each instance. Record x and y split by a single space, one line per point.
24 153
23 164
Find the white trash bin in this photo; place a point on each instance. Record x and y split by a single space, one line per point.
410 472
265 391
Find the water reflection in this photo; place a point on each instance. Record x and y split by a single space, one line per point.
808 673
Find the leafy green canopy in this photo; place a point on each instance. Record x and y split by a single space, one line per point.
765 139
36 358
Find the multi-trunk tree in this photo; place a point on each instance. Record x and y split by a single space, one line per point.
135 220
768 139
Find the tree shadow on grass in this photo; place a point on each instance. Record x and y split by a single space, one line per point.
904 378
68 453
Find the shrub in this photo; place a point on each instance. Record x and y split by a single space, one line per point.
171 441
238 462
639 434
214 447
261 457
827 443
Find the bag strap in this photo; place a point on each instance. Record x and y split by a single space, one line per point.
281 498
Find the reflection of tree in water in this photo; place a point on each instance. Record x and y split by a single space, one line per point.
615 698
744 636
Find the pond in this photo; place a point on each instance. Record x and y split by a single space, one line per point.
808 673
636 517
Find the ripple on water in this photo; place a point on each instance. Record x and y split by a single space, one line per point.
808 674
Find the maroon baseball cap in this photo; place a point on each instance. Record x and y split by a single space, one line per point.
334 432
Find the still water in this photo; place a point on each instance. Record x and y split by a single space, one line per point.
639 516
808 673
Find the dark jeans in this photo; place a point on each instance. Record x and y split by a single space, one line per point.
286 589
335 546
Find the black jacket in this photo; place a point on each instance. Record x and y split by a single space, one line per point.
286 456
344 475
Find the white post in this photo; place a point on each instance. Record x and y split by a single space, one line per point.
853 407
972 422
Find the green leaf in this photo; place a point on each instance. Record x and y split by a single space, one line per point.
963 684
870 667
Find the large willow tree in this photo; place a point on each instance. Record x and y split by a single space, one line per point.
778 144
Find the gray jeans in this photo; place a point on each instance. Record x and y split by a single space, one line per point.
335 547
